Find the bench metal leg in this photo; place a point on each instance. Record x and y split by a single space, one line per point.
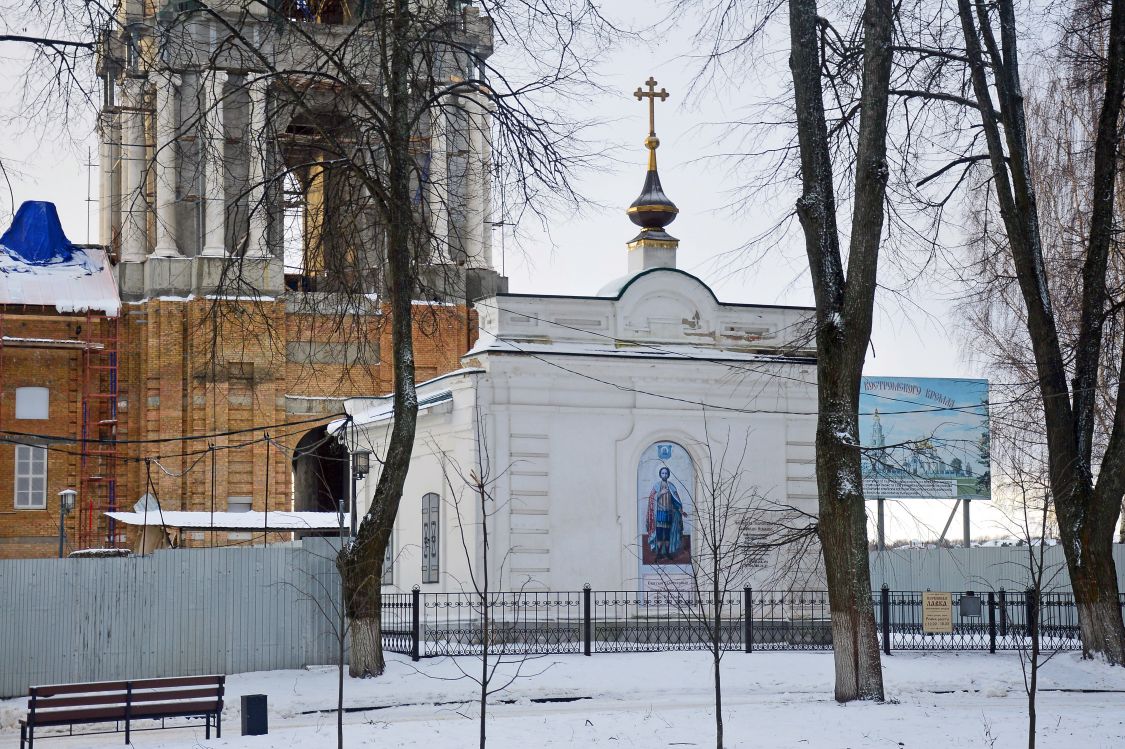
207 726
23 735
219 725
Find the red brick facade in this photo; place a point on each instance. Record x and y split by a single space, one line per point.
191 368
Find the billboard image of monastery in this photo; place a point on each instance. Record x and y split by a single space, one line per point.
924 438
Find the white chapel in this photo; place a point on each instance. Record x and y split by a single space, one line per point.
596 423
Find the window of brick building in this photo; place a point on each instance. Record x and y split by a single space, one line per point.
240 504
31 477
32 402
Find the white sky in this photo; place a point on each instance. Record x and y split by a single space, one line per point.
585 251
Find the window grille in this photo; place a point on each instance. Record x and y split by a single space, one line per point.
431 535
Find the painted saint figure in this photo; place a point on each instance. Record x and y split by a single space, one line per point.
665 519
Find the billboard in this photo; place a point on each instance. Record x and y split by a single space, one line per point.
924 438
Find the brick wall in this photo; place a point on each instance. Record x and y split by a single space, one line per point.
28 363
200 367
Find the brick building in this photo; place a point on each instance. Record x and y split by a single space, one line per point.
241 264
90 386
59 312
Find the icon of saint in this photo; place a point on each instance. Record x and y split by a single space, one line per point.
665 518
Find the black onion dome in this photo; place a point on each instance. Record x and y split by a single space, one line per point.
652 209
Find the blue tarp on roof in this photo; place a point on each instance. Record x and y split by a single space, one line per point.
36 235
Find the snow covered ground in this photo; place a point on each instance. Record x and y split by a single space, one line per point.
664 699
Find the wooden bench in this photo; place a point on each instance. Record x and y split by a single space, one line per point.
124 702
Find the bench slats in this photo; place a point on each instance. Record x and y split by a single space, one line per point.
113 698
49 690
117 712
178 681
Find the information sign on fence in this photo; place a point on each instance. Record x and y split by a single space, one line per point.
937 613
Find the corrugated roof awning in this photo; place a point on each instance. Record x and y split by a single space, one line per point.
284 522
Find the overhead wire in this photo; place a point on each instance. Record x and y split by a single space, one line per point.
178 438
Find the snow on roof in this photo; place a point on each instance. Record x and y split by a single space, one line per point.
374 409
40 266
488 343
383 409
232 521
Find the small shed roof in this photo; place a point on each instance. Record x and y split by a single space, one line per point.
283 522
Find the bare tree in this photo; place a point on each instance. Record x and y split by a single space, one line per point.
837 78
734 529
1025 474
1062 109
474 506
1086 491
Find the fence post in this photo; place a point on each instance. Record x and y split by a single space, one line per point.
416 624
748 619
991 622
1003 614
1032 599
587 627
885 615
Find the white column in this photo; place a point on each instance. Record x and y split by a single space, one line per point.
485 122
134 233
213 142
437 192
166 172
479 248
109 201
256 245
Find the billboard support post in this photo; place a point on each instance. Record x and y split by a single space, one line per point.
968 542
881 524
947 524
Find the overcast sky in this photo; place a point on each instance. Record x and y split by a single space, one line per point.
585 251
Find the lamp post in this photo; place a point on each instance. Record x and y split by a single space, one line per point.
361 464
66 504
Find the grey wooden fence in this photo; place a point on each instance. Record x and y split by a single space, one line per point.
180 612
979 568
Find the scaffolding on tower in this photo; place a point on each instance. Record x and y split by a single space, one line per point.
99 456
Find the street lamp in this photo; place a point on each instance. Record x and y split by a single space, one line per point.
361 464
66 504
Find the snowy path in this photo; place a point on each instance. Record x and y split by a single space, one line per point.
664 699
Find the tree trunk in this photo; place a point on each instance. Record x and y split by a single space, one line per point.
843 317
362 564
842 529
1093 577
367 650
718 655
485 611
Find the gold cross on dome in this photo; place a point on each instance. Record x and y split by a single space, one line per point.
652 95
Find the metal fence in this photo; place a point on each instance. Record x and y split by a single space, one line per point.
425 625
174 613
196 611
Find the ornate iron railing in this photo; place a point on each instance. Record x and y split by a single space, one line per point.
587 621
